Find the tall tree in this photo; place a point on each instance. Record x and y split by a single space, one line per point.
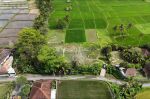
28 45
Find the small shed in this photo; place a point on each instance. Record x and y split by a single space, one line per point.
131 72
103 71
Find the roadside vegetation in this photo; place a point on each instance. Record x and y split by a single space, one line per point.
126 91
6 90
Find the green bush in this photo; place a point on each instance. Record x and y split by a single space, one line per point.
132 56
25 90
41 22
91 70
61 24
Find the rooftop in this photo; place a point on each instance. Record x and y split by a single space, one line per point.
41 89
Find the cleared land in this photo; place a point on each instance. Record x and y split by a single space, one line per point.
103 15
75 89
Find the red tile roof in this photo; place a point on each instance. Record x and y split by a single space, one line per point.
145 52
131 72
41 89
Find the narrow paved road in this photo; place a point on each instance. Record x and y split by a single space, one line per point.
38 77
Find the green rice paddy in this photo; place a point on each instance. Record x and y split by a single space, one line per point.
75 36
103 15
76 89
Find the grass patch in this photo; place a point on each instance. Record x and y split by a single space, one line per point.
4 89
144 94
76 89
75 36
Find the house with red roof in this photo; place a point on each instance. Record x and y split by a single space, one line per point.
41 89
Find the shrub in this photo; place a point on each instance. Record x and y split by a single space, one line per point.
40 23
21 80
106 52
132 56
25 90
61 24
87 69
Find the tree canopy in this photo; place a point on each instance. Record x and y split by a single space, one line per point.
51 61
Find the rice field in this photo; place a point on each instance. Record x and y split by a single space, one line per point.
78 89
75 36
103 15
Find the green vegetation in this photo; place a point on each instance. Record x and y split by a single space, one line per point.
144 94
126 91
93 69
41 22
6 90
25 90
123 21
21 80
77 89
51 62
75 36
133 55
27 47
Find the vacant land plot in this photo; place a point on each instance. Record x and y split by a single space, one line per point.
76 89
104 15
91 35
144 94
75 36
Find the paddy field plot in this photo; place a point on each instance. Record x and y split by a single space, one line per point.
75 36
144 28
104 15
79 89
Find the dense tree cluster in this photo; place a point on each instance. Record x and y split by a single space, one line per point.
41 22
132 56
27 47
33 54
51 62
62 23
127 91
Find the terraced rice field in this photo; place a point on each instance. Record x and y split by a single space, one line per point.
103 15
